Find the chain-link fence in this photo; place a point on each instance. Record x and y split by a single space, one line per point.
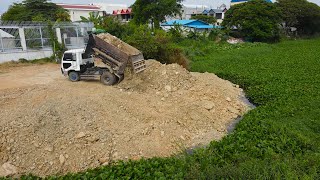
25 36
10 39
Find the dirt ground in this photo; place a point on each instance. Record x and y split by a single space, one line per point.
49 125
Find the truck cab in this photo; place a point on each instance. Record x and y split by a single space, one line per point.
73 59
76 65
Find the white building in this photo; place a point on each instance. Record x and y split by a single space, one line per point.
78 10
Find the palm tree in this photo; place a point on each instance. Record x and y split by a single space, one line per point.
94 17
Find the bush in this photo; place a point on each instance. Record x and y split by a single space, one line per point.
157 45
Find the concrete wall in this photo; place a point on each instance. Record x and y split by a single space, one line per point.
29 55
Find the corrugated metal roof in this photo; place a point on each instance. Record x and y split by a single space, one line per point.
180 22
207 11
201 26
189 23
122 11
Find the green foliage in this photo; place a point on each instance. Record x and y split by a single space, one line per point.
62 15
14 13
303 15
35 10
113 26
155 11
205 18
278 139
58 49
95 18
176 33
216 35
256 20
156 45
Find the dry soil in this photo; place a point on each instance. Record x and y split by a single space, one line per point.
49 125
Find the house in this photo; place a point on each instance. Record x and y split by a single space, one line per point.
194 25
217 13
7 41
108 8
78 10
234 2
188 11
123 15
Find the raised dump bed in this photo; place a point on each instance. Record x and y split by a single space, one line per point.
114 52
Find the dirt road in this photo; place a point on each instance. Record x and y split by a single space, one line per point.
49 125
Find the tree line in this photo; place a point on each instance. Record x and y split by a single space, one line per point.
256 20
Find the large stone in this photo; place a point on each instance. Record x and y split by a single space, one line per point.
168 88
62 159
233 110
208 105
80 135
7 169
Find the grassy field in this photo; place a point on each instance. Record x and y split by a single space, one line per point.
280 139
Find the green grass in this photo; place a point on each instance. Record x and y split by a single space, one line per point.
280 139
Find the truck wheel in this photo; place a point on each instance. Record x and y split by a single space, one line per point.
74 76
108 79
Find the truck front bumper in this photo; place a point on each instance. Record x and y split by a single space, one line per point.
65 73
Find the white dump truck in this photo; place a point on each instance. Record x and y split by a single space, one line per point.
116 55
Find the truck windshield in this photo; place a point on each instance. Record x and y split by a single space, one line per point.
68 57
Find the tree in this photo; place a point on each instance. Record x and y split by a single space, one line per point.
35 10
205 18
301 14
256 20
95 18
155 11
14 13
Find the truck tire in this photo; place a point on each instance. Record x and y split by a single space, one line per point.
74 76
108 78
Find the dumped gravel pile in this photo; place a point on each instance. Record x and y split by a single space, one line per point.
119 44
54 126
160 77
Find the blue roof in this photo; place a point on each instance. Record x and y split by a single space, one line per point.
205 11
179 22
190 23
201 26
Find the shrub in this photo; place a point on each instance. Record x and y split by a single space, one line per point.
157 45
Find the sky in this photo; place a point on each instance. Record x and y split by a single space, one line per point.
4 4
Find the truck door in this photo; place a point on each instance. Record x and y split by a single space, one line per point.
69 61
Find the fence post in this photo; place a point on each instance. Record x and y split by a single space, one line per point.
78 40
2 48
41 37
58 33
23 39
